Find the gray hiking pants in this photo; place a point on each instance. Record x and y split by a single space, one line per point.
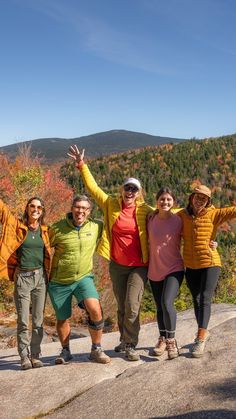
30 288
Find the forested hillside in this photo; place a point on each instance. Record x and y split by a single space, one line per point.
179 166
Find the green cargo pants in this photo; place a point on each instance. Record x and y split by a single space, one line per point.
128 287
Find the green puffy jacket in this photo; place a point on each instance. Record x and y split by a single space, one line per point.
73 249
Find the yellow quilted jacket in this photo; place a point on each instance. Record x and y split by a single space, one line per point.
12 236
197 233
111 208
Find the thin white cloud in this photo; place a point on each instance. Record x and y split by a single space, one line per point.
101 39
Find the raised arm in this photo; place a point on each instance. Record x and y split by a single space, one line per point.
221 215
89 182
5 213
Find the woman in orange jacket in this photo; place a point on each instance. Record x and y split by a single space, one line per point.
25 258
200 222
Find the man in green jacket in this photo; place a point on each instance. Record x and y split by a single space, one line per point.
74 240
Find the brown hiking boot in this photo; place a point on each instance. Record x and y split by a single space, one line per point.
99 356
25 363
35 361
160 346
172 348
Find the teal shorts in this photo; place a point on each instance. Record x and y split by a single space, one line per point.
61 295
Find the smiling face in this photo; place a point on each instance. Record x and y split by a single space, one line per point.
80 212
165 202
199 202
129 194
34 210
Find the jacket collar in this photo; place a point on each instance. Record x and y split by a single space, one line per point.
69 220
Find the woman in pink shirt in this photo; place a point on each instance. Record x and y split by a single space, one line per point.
166 269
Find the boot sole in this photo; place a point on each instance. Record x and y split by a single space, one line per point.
61 361
132 359
158 354
196 355
100 361
173 357
26 368
38 365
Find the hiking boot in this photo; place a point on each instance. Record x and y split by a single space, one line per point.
35 361
172 348
131 353
160 346
198 347
99 356
120 347
26 363
64 357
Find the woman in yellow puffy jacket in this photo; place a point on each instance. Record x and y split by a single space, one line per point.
200 222
124 244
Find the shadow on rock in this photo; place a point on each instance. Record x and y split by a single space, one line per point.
202 414
226 390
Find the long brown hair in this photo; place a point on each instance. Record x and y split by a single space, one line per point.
25 217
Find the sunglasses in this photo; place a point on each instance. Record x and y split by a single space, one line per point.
39 207
130 188
82 208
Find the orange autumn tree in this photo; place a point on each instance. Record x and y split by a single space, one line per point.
25 177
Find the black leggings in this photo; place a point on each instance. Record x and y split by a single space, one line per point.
202 284
164 293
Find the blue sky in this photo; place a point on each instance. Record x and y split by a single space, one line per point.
71 68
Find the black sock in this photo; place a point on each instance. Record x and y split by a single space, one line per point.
96 346
66 347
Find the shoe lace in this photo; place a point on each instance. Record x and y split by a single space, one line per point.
171 344
198 343
130 347
161 341
99 349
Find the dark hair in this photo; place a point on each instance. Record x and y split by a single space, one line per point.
82 198
165 189
25 217
190 205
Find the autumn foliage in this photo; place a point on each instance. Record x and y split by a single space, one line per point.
26 177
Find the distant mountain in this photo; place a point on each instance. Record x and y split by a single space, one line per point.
96 145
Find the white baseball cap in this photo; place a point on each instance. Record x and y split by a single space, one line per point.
133 181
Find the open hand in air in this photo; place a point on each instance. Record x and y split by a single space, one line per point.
75 154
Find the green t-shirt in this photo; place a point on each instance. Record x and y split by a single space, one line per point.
31 252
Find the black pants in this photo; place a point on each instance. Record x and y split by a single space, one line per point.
202 284
164 293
